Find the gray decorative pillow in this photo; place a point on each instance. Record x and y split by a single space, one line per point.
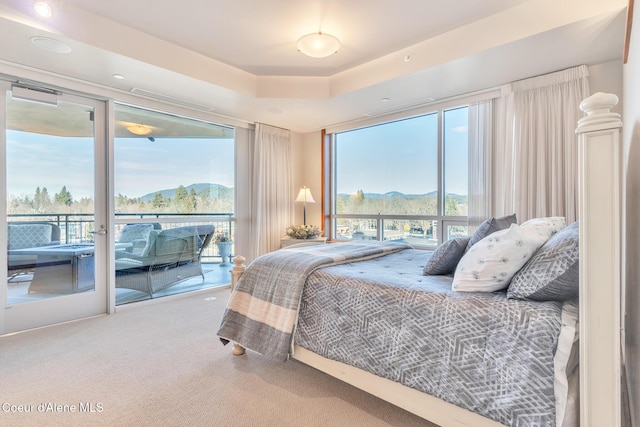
552 273
446 257
489 226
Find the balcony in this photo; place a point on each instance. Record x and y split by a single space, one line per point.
76 229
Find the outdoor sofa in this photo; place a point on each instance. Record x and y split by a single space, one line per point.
169 257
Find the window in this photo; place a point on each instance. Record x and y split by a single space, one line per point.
406 179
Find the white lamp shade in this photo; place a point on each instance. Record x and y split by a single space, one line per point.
304 195
318 45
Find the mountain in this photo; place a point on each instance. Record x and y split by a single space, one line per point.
397 194
215 191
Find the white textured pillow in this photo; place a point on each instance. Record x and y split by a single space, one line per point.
490 264
547 227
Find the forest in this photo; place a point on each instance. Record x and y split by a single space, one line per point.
195 198
215 198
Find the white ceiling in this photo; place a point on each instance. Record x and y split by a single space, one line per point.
238 58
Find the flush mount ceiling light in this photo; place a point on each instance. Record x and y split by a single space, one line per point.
43 8
318 45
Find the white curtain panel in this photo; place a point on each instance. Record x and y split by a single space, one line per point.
273 196
243 240
537 148
480 142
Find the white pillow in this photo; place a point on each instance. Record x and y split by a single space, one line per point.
546 226
490 264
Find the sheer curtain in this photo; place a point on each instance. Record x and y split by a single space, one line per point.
243 241
480 140
536 149
272 201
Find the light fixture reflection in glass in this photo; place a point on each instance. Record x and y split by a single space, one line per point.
43 8
318 45
139 129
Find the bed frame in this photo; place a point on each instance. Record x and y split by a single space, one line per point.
599 195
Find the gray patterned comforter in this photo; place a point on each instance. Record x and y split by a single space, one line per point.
480 351
262 312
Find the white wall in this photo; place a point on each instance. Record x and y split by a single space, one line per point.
607 77
307 171
631 210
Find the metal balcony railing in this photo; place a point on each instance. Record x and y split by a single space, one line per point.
77 228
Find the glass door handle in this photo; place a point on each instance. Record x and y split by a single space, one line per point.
101 232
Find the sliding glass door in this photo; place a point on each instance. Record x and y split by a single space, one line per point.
55 193
174 180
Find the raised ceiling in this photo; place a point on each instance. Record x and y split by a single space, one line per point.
239 58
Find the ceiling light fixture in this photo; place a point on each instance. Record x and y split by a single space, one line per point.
318 45
43 8
139 129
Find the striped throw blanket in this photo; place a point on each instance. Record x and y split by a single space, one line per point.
262 312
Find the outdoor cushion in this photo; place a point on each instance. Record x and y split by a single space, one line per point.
133 232
22 236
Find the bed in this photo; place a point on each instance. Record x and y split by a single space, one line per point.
368 305
458 357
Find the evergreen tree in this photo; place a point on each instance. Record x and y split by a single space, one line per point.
63 197
41 200
158 201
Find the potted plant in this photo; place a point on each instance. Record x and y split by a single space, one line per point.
223 242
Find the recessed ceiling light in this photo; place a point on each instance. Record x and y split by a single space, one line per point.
118 76
385 100
52 45
407 57
43 8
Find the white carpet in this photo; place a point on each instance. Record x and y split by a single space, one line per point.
162 365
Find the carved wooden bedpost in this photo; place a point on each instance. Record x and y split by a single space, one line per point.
236 272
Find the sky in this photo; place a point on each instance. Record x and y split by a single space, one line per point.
399 156
141 166
402 156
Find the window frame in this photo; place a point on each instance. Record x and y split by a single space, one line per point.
442 221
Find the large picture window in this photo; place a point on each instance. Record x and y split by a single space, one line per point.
406 179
